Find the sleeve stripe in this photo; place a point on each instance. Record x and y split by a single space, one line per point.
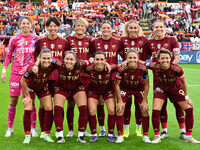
176 49
182 76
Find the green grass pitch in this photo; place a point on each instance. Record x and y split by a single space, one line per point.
192 73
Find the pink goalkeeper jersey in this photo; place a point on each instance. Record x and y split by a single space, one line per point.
23 48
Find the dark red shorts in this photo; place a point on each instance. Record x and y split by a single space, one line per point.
85 81
96 95
69 93
138 95
175 95
42 93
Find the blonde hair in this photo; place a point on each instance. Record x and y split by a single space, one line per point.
81 20
125 32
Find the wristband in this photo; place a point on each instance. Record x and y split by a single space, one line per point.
187 97
4 70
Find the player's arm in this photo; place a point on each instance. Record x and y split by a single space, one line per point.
144 103
184 84
176 56
120 104
27 101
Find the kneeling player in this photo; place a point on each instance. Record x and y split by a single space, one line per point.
36 84
170 84
101 85
70 85
132 79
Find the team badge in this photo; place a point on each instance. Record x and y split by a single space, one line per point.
159 46
98 45
99 77
152 46
105 46
132 43
79 43
72 42
59 46
108 75
44 45
166 45
69 73
125 42
140 42
52 46
113 46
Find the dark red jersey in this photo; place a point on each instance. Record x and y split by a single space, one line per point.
132 79
140 44
79 46
69 79
166 79
58 47
111 48
169 43
101 81
38 81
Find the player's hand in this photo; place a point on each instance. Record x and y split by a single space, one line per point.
144 105
27 102
124 63
108 67
3 77
35 69
120 106
189 102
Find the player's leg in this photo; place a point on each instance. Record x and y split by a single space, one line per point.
181 120
59 100
157 105
48 120
163 119
92 109
127 116
138 119
110 103
70 117
81 100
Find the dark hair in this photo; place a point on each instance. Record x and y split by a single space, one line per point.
163 51
130 51
45 50
26 17
52 19
77 65
106 21
100 52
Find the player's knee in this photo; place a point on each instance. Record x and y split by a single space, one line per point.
92 111
111 111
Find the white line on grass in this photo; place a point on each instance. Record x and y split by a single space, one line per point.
191 69
193 85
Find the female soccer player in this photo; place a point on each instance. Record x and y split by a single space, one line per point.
36 84
111 47
101 85
78 43
170 84
23 45
162 41
132 79
58 46
133 38
69 85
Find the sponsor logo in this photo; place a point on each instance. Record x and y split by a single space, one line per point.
14 84
186 57
198 57
159 90
122 93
